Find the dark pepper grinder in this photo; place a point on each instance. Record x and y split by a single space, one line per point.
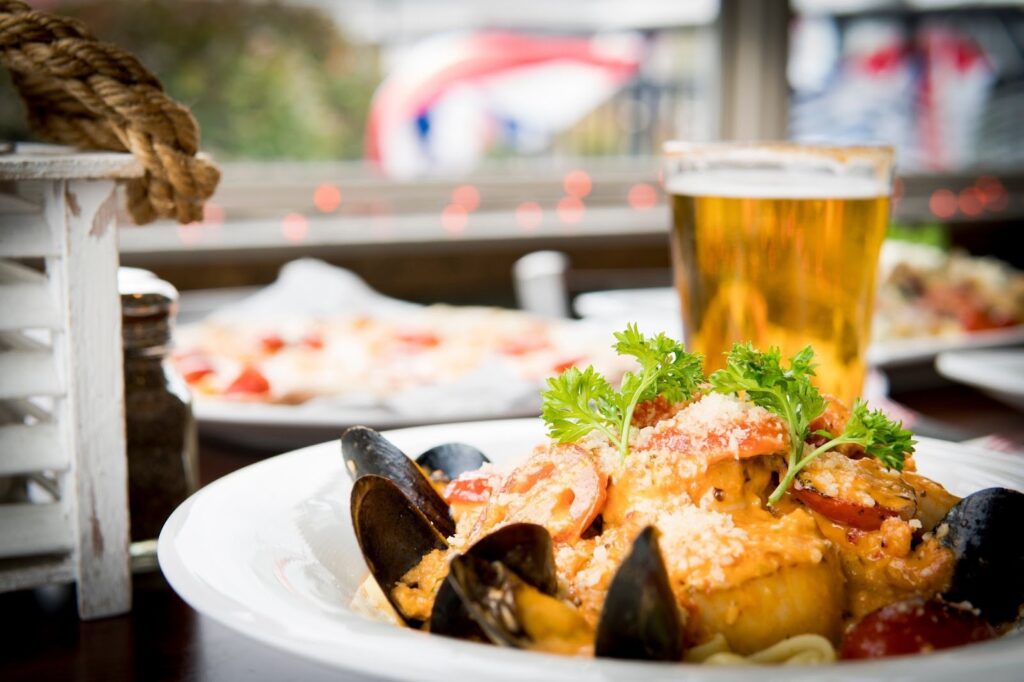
159 427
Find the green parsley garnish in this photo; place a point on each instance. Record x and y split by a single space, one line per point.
882 438
578 402
790 394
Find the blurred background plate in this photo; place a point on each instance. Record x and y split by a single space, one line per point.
279 427
896 353
999 373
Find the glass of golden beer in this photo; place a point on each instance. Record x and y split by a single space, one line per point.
777 244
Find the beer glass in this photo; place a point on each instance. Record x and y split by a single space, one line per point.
778 244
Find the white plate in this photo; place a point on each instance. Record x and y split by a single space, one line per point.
1000 373
269 551
312 289
654 310
887 354
279 427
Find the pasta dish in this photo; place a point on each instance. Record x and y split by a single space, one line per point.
924 291
362 360
738 518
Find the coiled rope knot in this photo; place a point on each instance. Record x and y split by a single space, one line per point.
90 94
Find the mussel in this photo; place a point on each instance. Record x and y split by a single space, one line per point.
983 530
366 452
378 508
451 459
524 552
501 584
506 587
399 518
640 619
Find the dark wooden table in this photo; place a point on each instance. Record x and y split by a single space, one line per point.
164 639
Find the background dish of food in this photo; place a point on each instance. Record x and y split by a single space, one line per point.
913 278
925 291
319 350
269 551
657 309
930 301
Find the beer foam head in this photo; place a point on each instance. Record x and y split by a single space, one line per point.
760 183
777 170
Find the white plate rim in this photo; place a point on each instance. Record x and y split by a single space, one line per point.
896 352
1000 660
321 415
982 369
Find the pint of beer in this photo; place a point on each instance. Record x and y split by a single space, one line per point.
777 244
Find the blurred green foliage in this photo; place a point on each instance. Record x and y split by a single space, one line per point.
264 80
932 234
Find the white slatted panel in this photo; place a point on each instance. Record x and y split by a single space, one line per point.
27 448
12 203
27 306
44 570
61 398
13 272
29 529
28 373
31 439
26 235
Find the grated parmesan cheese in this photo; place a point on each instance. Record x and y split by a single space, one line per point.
698 544
715 427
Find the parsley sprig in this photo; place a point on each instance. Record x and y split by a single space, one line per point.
580 401
882 438
789 393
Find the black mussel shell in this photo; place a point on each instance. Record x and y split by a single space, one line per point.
487 591
525 549
984 531
450 618
366 452
392 532
640 619
452 459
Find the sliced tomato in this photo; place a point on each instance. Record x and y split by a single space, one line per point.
833 418
563 365
313 340
913 626
650 412
194 375
418 339
974 319
524 345
847 513
859 493
193 367
271 343
250 381
743 434
561 489
471 488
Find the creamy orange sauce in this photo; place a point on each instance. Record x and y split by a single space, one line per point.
755 574
415 593
880 566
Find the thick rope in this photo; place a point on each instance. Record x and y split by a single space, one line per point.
82 92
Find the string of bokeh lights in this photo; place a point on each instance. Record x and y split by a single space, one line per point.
986 194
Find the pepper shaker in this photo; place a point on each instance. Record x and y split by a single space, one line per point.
159 425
